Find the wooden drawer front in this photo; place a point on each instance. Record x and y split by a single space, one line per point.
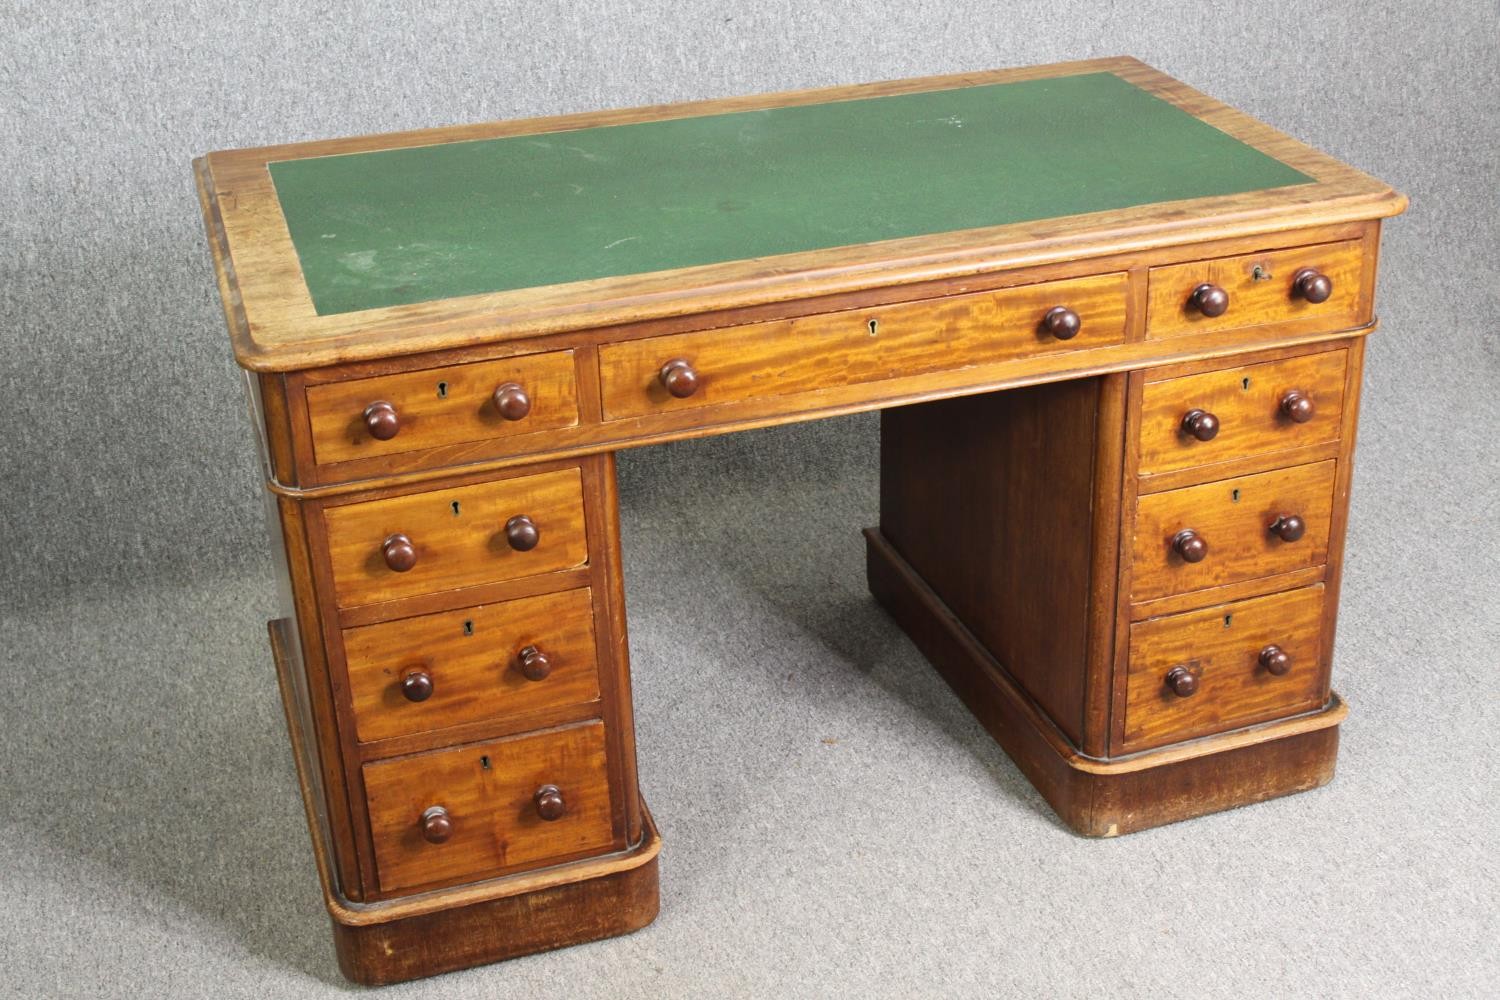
1221 649
1234 517
862 345
488 792
1260 288
441 406
459 537
420 674
1251 405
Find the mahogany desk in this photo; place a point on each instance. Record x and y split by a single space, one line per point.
1126 563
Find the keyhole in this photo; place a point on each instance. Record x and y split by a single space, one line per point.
1228 619
455 508
1245 383
442 390
1235 496
484 762
469 627
874 325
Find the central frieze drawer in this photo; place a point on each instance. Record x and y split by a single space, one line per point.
828 350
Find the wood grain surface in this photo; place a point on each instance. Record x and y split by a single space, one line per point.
488 789
1234 515
472 658
439 406
456 546
1246 400
847 348
1219 646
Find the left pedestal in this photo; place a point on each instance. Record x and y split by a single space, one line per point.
445 930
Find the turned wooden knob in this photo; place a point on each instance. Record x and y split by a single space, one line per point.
381 421
522 533
417 685
1200 424
1182 682
512 402
1210 300
1288 527
1062 322
1190 545
436 824
400 554
679 377
1276 660
535 664
549 802
1312 285
1297 406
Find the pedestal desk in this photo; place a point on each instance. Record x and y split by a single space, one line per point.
1115 329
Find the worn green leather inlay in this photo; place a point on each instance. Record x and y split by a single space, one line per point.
411 225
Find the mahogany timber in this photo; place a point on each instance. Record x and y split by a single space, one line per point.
439 406
1235 517
1104 798
459 536
1221 647
988 498
1260 290
472 659
1246 401
778 358
489 790
448 929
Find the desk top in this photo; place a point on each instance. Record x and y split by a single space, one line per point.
353 249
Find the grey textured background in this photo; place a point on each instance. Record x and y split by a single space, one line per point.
835 823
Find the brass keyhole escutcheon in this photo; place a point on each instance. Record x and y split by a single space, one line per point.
442 390
874 325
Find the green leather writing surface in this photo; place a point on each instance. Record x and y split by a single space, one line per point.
411 225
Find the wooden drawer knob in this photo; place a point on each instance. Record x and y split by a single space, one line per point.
400 554
1190 545
436 824
512 402
1182 682
1062 323
1288 527
417 685
1297 406
1200 424
522 533
679 377
549 802
535 664
1312 285
381 421
1276 660
1210 300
